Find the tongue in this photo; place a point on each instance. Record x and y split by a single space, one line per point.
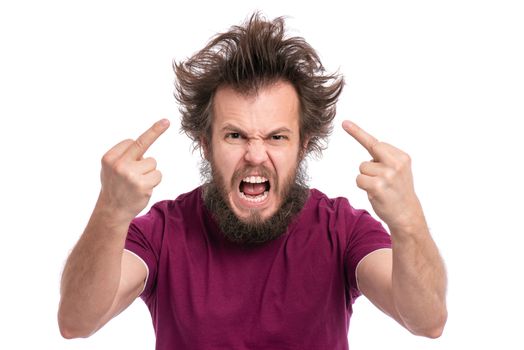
253 189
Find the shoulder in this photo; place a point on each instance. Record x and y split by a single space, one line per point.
336 206
185 201
340 216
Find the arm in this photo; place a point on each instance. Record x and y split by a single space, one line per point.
409 281
100 279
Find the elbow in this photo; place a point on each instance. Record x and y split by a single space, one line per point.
433 333
67 333
70 329
434 330
71 332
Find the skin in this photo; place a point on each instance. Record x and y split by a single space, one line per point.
100 279
408 282
251 135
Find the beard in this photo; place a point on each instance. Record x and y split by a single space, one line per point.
253 230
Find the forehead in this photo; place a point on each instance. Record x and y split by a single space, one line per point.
271 107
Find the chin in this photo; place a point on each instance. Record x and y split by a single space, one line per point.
253 221
253 209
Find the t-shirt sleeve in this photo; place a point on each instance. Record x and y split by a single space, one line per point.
365 235
144 239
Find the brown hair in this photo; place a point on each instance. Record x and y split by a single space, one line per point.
247 58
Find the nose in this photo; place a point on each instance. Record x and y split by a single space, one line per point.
256 152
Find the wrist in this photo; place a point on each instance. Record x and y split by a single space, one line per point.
413 234
111 215
409 216
411 224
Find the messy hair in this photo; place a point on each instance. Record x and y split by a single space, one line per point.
247 58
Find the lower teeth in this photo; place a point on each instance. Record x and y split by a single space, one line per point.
254 199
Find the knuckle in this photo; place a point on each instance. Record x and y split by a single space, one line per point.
156 178
390 174
404 158
139 144
379 185
107 159
120 168
153 162
127 142
404 161
359 181
377 146
114 153
132 183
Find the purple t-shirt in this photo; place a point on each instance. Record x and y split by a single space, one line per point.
295 292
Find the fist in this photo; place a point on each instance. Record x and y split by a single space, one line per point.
127 178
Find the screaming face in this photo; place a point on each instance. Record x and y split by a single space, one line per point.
256 185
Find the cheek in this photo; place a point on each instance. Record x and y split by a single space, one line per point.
285 162
226 161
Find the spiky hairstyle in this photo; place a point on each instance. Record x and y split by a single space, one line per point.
249 57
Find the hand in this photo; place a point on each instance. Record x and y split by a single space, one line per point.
127 178
388 180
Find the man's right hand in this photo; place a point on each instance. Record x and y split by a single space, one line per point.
127 178
100 278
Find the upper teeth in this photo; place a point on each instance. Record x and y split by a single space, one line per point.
254 179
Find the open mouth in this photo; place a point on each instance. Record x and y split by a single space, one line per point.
254 189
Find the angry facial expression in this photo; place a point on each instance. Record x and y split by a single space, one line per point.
255 148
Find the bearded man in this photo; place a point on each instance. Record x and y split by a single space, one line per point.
253 258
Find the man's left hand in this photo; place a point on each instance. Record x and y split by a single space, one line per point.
388 180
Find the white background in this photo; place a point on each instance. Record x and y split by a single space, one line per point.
442 80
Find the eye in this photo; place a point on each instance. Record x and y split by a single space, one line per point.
235 138
278 137
233 135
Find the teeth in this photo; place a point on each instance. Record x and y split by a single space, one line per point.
256 199
254 179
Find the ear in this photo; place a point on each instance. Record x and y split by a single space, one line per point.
204 148
303 149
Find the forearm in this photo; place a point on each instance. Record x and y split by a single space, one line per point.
418 279
92 274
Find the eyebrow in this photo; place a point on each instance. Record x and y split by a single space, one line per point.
233 128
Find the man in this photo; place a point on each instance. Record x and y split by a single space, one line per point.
253 259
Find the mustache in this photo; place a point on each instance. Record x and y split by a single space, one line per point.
255 230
